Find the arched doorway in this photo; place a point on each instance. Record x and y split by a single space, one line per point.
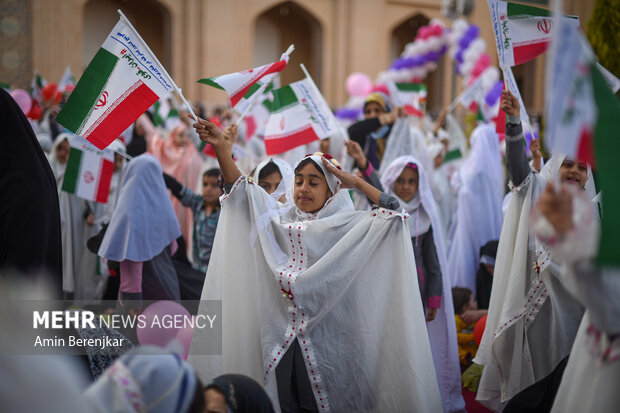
149 17
284 24
405 33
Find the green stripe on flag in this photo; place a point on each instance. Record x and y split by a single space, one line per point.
515 10
452 155
69 182
88 89
5 86
411 87
283 98
607 148
210 82
252 89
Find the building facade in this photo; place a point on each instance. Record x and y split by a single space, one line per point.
194 39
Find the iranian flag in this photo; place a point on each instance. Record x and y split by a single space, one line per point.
121 82
89 171
67 82
411 96
522 32
299 115
244 84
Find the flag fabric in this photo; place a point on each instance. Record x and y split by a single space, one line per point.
67 80
258 116
121 82
89 171
571 108
511 84
244 84
612 81
299 115
36 86
5 86
163 112
522 32
474 93
411 96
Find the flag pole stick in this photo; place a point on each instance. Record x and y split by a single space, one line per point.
148 49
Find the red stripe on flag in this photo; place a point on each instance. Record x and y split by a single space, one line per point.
122 115
585 149
527 52
209 151
274 68
410 110
276 145
500 121
250 127
105 180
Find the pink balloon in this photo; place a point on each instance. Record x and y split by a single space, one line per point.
436 30
484 60
423 32
23 99
184 336
162 322
358 84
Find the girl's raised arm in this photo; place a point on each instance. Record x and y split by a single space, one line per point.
222 144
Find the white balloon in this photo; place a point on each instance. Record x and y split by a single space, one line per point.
489 77
466 68
471 55
424 46
478 44
435 43
416 49
452 51
459 26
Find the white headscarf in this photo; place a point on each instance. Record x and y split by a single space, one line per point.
442 331
146 379
57 167
287 177
479 206
143 222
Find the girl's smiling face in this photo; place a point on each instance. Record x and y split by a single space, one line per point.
574 172
406 185
311 189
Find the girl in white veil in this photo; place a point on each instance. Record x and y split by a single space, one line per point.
322 308
427 235
532 318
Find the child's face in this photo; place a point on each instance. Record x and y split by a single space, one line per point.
211 191
574 172
62 151
270 182
372 110
406 185
182 139
311 189
215 401
472 304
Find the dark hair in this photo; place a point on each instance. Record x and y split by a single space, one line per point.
216 173
268 169
460 298
305 162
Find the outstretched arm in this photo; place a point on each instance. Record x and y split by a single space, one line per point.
210 133
516 160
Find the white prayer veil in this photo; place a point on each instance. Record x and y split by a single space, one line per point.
520 288
478 206
442 330
287 177
340 283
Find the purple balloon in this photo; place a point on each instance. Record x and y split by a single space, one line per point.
418 61
408 62
493 95
473 31
348 113
443 49
459 55
465 41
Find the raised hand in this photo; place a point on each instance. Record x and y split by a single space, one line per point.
209 132
231 133
557 207
510 104
347 180
355 151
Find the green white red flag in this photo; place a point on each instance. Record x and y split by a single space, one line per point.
522 32
244 84
89 171
67 82
298 115
121 82
410 96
